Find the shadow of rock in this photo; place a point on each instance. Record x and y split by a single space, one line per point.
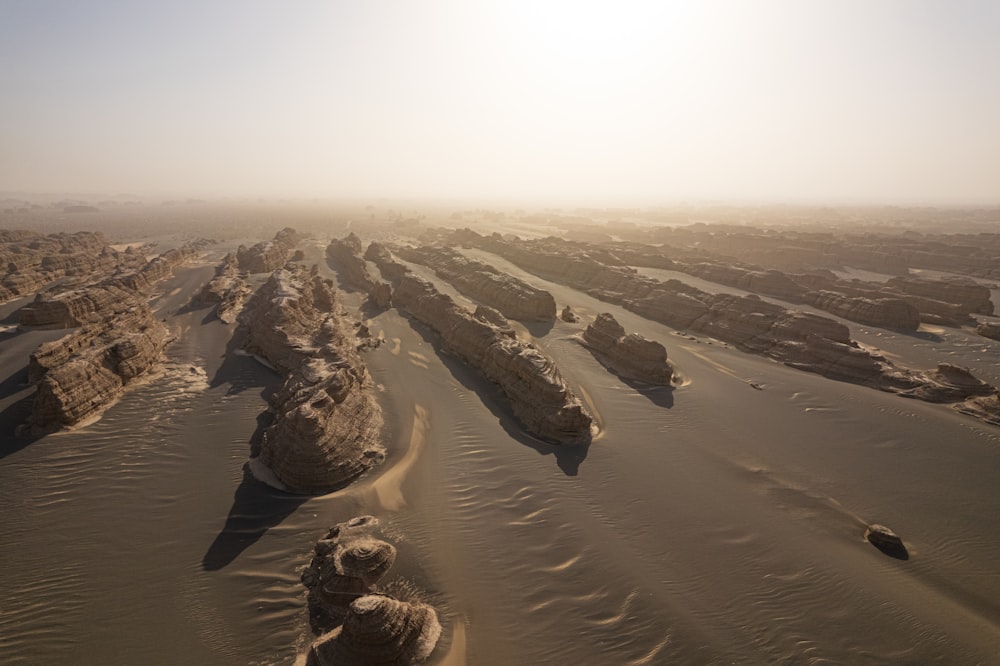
10 418
661 396
568 457
897 551
256 508
17 381
243 372
539 329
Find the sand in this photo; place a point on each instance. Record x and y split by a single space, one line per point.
719 522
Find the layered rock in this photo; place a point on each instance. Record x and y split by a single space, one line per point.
227 290
346 564
346 255
970 296
30 261
989 330
534 387
268 256
81 374
629 355
379 629
514 298
327 424
892 313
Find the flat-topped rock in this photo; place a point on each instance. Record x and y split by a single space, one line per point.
894 313
268 256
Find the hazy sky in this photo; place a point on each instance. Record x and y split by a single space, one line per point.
576 101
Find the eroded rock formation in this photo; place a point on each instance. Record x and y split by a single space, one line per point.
989 330
266 257
327 425
84 372
514 298
347 258
629 355
892 313
227 290
536 391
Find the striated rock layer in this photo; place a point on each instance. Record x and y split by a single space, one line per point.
327 425
536 391
631 356
227 290
266 257
800 340
514 298
84 372
345 254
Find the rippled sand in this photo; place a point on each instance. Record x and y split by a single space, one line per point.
719 522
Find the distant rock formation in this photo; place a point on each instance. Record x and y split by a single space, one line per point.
536 391
970 296
267 257
800 340
84 372
228 290
347 258
568 315
347 563
892 313
631 356
327 425
514 298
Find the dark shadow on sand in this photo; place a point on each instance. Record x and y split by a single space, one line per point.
568 457
539 329
17 381
920 335
898 552
242 372
14 415
256 508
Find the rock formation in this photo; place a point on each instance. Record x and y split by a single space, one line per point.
346 256
346 564
631 356
989 330
886 540
266 257
327 424
514 298
379 630
31 261
892 313
568 315
536 391
970 296
228 290
84 372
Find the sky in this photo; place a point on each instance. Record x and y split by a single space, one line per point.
586 102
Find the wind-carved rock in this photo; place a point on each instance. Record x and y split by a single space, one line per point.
84 372
989 330
346 256
970 296
568 315
894 313
266 257
629 355
800 340
363 625
514 298
327 424
535 389
227 290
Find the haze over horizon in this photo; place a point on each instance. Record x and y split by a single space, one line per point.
583 102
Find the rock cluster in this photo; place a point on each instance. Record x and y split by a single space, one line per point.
347 258
362 625
266 257
629 355
84 372
327 425
514 298
800 340
534 387
30 261
227 290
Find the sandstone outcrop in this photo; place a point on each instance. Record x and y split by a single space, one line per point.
227 290
269 256
970 296
514 298
568 315
347 563
81 374
535 390
31 261
346 256
886 540
892 313
989 330
629 355
379 630
327 425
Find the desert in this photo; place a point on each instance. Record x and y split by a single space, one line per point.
671 471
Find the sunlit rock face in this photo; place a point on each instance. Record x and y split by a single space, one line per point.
227 290
972 297
629 355
327 424
892 313
81 374
514 298
269 256
538 395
